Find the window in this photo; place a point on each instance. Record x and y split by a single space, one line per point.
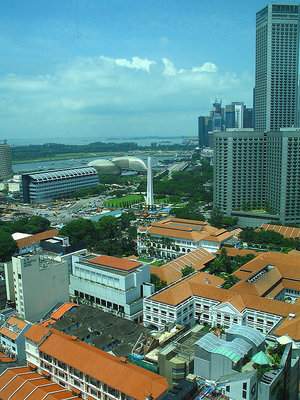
228 389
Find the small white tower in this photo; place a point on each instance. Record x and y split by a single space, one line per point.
149 198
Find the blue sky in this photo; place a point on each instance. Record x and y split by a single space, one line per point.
113 68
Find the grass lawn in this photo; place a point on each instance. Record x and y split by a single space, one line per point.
147 260
124 201
157 263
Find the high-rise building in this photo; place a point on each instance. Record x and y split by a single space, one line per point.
5 161
255 170
276 66
204 126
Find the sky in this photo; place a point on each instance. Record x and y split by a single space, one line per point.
121 68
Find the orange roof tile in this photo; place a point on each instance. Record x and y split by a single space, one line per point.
188 229
233 252
286 231
289 327
36 333
171 271
22 383
114 262
8 333
17 321
124 376
4 358
36 238
61 310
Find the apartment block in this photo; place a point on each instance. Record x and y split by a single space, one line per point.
114 284
256 171
6 171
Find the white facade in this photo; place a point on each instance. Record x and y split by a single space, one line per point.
40 282
160 247
149 199
112 289
206 311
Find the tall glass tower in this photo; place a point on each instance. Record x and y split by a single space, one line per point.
276 66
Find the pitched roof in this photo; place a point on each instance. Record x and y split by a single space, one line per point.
290 327
36 333
114 262
121 375
286 231
171 271
8 333
188 229
61 310
17 321
36 238
233 252
22 383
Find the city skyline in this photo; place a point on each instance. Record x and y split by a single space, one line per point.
110 70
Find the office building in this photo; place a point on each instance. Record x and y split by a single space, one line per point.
6 171
255 170
40 187
237 115
276 66
114 284
39 282
93 373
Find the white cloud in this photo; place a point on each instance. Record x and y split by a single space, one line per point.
136 63
110 97
206 67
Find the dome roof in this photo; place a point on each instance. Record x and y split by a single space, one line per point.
130 163
104 166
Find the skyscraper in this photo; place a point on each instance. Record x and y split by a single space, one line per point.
5 161
276 66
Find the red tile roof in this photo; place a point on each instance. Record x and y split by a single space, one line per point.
22 383
123 376
188 229
17 321
8 333
36 238
114 262
286 231
5 359
62 309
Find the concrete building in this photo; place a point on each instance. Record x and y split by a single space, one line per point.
172 237
237 115
149 198
93 373
11 337
39 282
112 283
258 171
40 187
276 66
6 171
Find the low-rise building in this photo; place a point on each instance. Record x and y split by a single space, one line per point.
93 373
12 339
114 284
172 237
36 283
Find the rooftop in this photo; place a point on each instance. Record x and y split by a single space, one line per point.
286 231
33 239
188 229
171 271
22 383
123 376
114 262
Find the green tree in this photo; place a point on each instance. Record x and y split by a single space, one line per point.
230 281
158 283
37 224
80 229
187 270
8 246
216 218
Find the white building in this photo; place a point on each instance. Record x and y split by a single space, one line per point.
173 237
114 284
39 282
